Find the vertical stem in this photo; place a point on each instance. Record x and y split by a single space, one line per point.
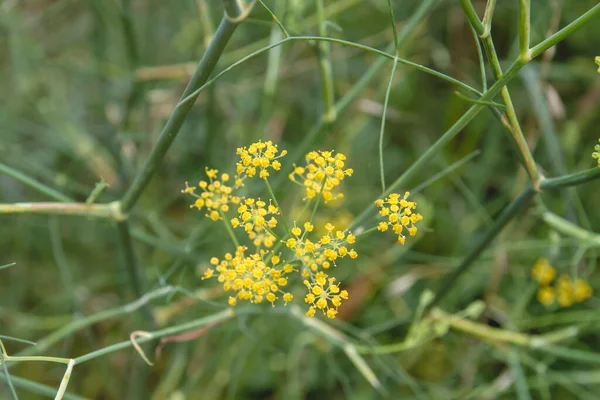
505 217
129 259
270 189
323 49
515 130
524 29
177 118
382 129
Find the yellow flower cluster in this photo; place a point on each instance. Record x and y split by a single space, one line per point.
215 196
322 173
399 214
596 154
324 294
258 157
253 215
255 278
261 274
321 253
565 291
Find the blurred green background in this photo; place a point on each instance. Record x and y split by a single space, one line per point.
87 87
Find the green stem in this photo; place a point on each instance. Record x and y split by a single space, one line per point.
487 18
40 187
47 342
283 220
505 217
382 128
565 32
129 261
432 151
38 388
394 32
108 210
325 68
174 330
341 104
570 229
515 128
524 29
576 178
229 228
177 118
472 16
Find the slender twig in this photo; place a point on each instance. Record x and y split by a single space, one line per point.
107 210
47 342
40 187
382 128
177 118
325 69
505 217
524 29
568 228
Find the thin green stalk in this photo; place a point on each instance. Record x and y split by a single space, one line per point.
212 319
38 388
324 56
432 150
394 32
129 261
341 104
275 19
40 187
382 129
472 16
570 229
487 18
229 228
505 217
574 179
7 266
524 29
565 32
108 210
3 362
480 59
177 118
515 130
283 219
47 342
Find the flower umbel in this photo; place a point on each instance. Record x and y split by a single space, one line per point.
258 157
596 154
564 291
399 214
324 294
322 173
216 195
254 215
255 277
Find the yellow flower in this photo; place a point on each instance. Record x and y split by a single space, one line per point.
543 272
546 295
323 172
400 215
596 154
252 215
323 294
254 277
215 197
582 291
260 155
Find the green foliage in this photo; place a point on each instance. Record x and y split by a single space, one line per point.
101 254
